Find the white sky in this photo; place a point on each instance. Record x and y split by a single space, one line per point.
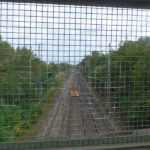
68 33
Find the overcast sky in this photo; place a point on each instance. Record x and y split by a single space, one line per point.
68 33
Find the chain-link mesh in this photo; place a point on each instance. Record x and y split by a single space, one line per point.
70 72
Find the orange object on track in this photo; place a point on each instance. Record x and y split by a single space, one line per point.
74 93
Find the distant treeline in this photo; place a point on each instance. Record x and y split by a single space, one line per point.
126 72
24 80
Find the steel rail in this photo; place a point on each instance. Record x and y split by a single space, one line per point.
93 120
62 101
83 117
53 119
64 115
86 102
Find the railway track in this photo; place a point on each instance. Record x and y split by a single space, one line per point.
90 122
76 116
58 113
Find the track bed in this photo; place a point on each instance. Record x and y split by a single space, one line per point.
76 117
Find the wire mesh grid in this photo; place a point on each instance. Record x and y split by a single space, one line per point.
73 72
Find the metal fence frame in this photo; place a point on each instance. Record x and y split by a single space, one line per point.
116 141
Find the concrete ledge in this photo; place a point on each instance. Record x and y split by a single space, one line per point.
126 140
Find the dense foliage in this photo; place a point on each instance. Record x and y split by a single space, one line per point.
24 83
126 72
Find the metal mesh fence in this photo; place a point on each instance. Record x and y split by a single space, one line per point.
70 72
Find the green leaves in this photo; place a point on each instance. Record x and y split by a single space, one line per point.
24 83
6 51
129 78
22 75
